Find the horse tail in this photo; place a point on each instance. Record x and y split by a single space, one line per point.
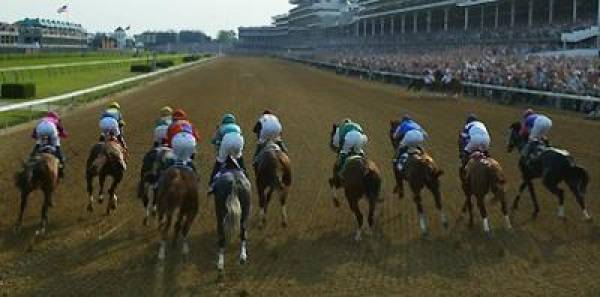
286 169
579 174
231 222
373 183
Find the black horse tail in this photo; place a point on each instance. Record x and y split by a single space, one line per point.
581 176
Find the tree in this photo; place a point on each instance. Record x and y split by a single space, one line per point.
226 36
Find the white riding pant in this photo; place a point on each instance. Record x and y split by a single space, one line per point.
478 141
109 126
413 138
160 133
184 146
271 129
354 141
541 128
231 145
47 129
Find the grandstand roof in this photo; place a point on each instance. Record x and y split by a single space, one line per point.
46 23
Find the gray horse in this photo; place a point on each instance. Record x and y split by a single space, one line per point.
232 192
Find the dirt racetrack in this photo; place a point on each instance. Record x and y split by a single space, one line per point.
93 255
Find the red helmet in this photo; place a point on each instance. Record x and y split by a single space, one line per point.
53 115
179 114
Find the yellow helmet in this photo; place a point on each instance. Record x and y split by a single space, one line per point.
114 104
166 111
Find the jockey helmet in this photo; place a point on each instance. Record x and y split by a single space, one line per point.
268 111
472 118
228 119
528 112
166 111
406 118
179 114
53 115
346 121
115 105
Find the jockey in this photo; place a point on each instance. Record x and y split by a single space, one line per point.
162 126
535 127
50 127
182 137
268 128
474 137
112 123
348 138
409 134
229 141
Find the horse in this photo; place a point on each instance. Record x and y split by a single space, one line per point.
480 176
154 163
39 172
273 173
359 177
106 159
232 193
177 190
554 166
420 171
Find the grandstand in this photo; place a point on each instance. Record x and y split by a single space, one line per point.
51 34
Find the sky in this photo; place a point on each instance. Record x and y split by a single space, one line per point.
105 15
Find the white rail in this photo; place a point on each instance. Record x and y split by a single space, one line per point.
75 94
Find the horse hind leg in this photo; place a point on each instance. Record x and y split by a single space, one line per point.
44 219
422 219
283 193
102 181
353 202
573 186
112 193
19 222
484 214
437 196
500 195
90 191
552 186
162 251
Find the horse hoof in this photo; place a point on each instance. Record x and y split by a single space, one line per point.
284 224
40 232
243 261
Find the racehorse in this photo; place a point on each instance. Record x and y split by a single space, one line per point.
177 190
420 171
154 163
553 166
39 172
359 177
480 176
273 173
232 192
106 159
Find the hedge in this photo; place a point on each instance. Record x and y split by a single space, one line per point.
164 63
141 68
18 91
188 59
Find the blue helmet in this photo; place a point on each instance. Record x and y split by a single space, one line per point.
228 119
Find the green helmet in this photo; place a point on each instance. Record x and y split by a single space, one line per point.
228 119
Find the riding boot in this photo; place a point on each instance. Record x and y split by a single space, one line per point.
61 159
36 147
213 174
121 140
242 165
102 138
282 146
340 164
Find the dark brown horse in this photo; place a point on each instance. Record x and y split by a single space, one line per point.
359 177
483 175
154 163
273 173
420 171
105 159
39 172
553 166
177 190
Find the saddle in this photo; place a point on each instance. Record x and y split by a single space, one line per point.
352 157
270 146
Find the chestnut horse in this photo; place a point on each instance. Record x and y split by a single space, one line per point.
273 173
177 190
420 171
483 175
39 172
359 177
105 159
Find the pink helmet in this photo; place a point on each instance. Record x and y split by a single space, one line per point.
53 115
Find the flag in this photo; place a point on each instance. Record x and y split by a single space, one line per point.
62 9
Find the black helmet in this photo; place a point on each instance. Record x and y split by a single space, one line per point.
471 118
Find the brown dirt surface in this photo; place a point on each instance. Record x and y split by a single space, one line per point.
93 255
